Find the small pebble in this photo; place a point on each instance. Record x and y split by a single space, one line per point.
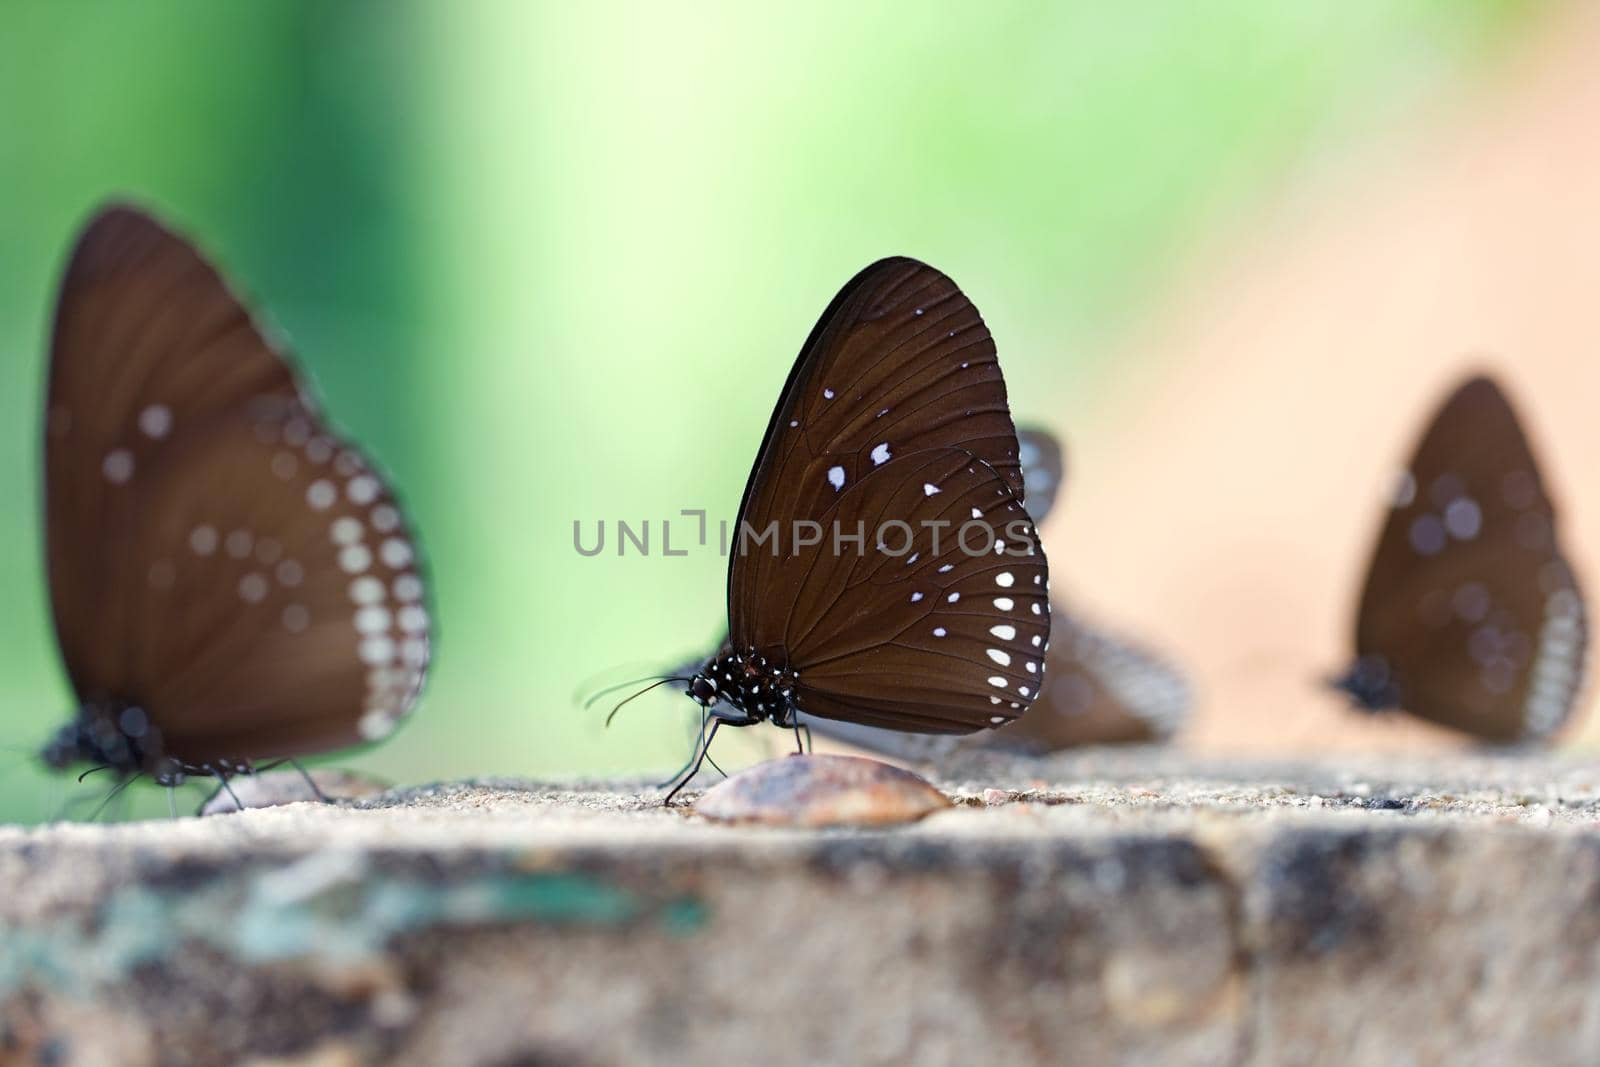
815 791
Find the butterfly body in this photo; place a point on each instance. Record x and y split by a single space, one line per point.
746 688
118 735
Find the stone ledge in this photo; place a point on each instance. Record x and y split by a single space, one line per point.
1128 907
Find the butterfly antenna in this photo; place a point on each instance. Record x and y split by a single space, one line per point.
589 703
583 693
640 693
92 770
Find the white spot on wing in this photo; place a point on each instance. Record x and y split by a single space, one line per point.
156 421
203 540
1463 518
1002 658
345 530
395 553
836 477
362 489
117 466
880 453
253 588
373 619
353 559
1427 535
366 590
296 618
1004 631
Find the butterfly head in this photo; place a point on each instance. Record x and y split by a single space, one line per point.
1370 684
703 690
123 739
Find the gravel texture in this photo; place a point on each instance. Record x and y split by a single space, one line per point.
1137 906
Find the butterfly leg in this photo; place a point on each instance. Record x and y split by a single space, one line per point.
694 769
316 790
116 791
699 736
238 804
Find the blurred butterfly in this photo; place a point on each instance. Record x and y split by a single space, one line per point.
1097 689
1471 617
893 428
231 582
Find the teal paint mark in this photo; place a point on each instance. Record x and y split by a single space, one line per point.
569 899
685 916
325 907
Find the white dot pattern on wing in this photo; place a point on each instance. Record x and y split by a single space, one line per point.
1558 665
364 548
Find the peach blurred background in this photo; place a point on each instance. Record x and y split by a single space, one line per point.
1226 491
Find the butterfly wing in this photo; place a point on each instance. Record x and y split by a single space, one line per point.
1469 606
900 362
1044 470
144 331
204 528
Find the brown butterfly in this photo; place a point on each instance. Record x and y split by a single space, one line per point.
231 581
1471 616
893 428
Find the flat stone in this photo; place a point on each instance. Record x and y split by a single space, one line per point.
821 791
1133 907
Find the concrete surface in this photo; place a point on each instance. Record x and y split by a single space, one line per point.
1111 907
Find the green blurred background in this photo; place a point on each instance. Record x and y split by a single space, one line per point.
552 261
